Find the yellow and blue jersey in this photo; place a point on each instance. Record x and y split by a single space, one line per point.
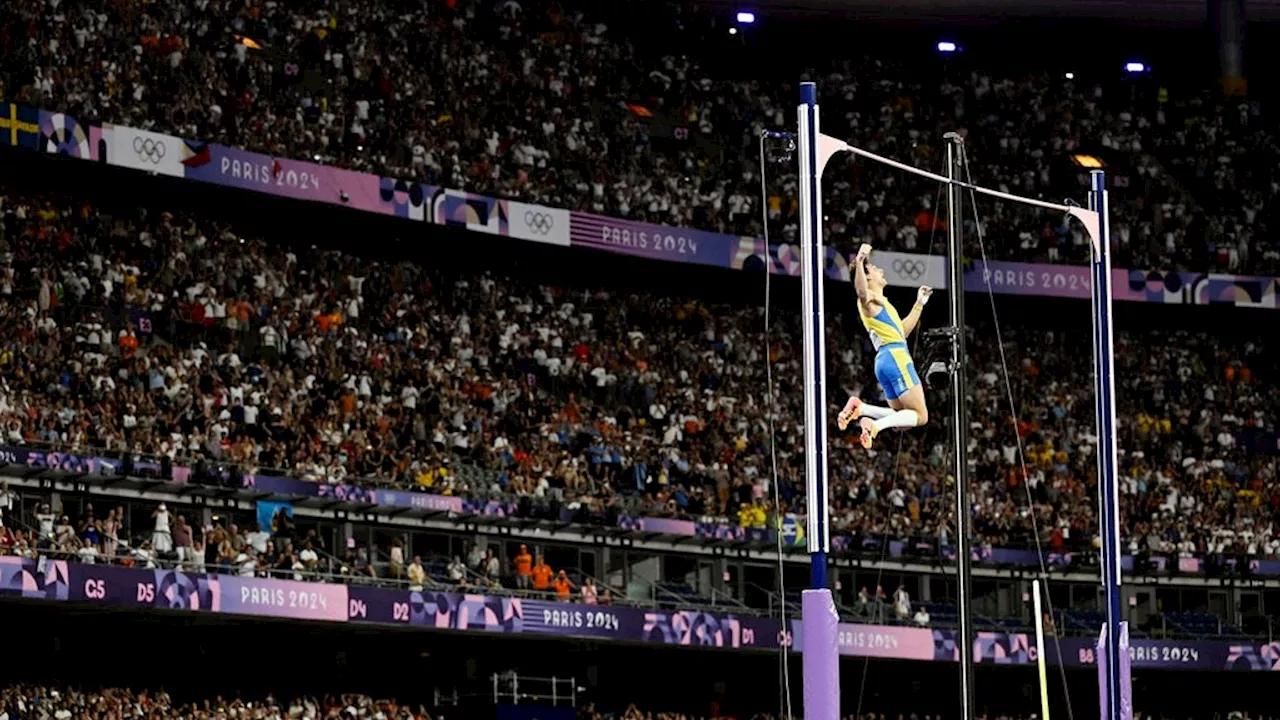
895 370
885 326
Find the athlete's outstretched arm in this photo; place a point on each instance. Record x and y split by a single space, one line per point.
860 273
913 318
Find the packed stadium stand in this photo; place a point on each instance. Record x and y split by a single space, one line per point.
624 446
547 87
335 368
21 702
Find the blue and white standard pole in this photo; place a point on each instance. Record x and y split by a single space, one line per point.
815 366
1115 688
820 650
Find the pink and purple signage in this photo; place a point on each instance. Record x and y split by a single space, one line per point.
376 496
657 242
1170 288
32 579
282 598
878 641
433 609
301 180
701 247
203 592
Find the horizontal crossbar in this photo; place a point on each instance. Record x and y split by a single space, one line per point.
1088 218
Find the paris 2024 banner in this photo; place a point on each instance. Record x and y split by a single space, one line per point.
60 581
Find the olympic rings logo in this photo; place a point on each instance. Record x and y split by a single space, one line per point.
148 149
910 269
539 222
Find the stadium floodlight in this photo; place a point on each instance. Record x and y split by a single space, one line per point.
1087 161
947 47
746 18
733 31
1135 67
1071 76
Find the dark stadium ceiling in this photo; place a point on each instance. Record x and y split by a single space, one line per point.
1179 12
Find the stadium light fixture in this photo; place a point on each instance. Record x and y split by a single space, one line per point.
1071 76
1087 161
733 31
1135 67
745 17
248 42
947 47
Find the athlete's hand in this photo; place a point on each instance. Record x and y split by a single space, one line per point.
923 294
864 252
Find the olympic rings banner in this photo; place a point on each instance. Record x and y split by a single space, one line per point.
503 217
141 150
105 585
163 154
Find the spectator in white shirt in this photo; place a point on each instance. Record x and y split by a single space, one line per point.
922 617
901 602
457 571
417 575
588 591
409 396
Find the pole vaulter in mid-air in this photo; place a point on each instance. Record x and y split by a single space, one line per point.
895 370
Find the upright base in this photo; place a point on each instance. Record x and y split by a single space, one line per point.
820 654
1125 706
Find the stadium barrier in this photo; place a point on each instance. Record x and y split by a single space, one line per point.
121 587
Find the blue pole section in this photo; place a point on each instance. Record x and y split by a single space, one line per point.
1108 493
815 370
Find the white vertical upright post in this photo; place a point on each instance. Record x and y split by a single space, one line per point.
1115 693
813 263
820 649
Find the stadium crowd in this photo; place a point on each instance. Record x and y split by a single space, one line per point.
169 335
375 86
172 540
37 702
169 539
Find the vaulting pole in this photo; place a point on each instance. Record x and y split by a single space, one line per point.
820 650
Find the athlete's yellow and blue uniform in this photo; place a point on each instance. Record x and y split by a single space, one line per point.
894 369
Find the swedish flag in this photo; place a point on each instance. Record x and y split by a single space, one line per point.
20 126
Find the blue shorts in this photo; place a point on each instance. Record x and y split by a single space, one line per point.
895 371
